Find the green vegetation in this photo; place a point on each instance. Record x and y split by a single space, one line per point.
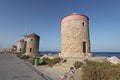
78 64
31 60
100 71
45 61
19 55
64 60
24 57
50 62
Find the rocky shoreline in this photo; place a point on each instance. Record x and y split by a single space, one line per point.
75 74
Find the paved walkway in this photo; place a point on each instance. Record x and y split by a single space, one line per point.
51 73
12 68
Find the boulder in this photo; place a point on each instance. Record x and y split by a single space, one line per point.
114 60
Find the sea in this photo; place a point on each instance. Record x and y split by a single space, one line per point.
106 54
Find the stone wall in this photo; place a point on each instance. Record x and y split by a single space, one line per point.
20 47
74 34
32 47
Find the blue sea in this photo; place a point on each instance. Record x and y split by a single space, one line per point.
106 54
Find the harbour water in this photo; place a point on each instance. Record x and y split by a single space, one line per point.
106 54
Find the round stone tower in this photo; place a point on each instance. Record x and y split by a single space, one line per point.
32 47
75 36
21 46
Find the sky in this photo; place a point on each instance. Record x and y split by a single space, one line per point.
43 18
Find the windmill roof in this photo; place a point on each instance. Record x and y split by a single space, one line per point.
33 35
22 40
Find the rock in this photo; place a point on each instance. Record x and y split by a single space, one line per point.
114 60
62 76
47 56
72 70
80 69
77 74
70 77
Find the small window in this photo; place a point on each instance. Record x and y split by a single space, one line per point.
83 24
20 49
84 47
31 39
30 49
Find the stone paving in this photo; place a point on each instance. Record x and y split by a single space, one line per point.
13 68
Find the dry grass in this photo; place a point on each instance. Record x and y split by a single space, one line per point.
100 71
50 62
78 64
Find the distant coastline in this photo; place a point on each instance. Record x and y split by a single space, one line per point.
106 54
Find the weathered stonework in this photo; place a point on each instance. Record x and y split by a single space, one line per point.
32 47
75 36
21 46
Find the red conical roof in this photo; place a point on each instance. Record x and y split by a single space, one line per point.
75 16
22 40
33 35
